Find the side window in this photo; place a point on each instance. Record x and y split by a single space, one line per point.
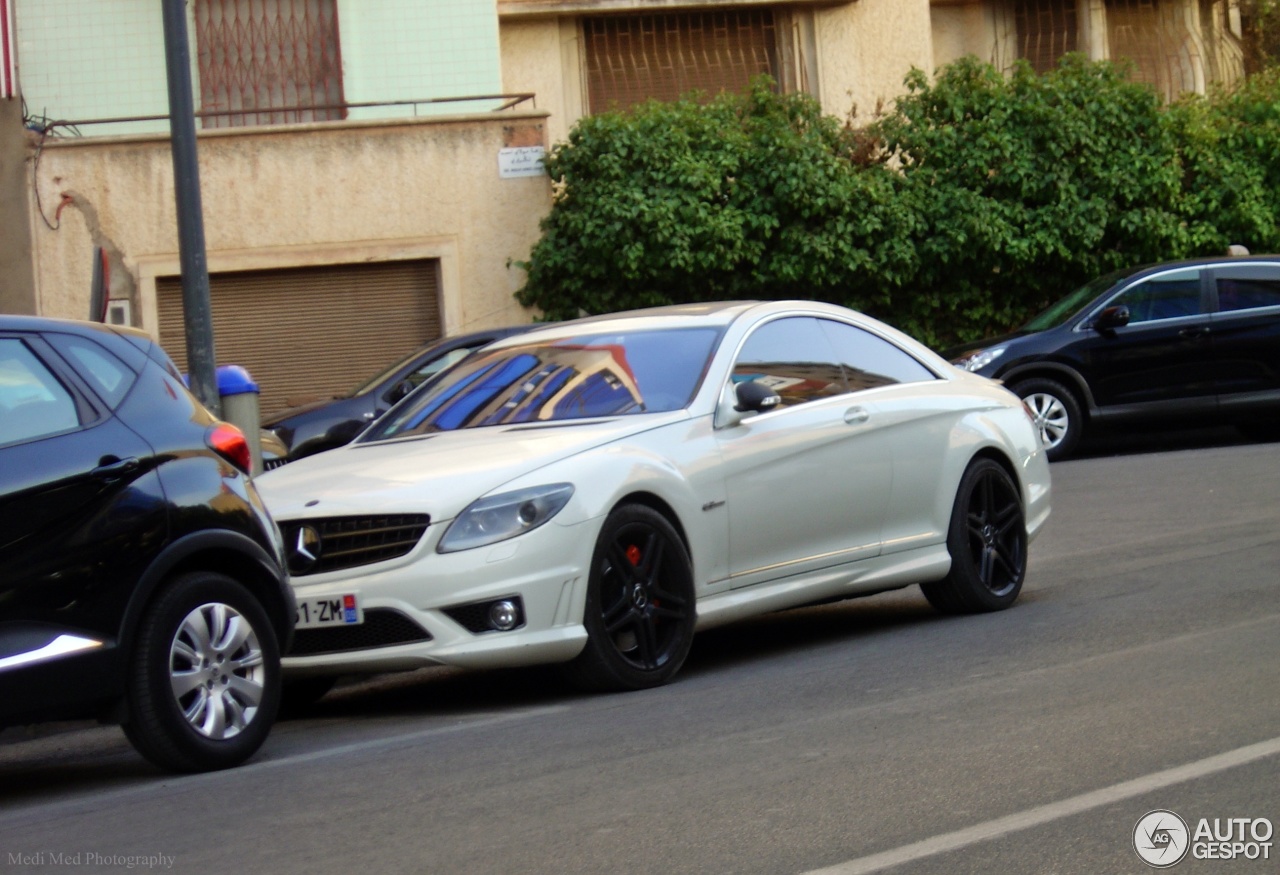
794 358
33 403
111 378
871 361
1248 294
1167 296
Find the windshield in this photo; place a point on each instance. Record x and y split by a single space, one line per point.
1070 305
377 379
569 378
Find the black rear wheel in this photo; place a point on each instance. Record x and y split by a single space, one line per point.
639 611
987 540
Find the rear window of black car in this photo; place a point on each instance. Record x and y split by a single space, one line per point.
109 377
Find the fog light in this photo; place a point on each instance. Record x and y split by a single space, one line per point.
504 615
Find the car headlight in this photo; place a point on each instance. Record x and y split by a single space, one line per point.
978 360
499 517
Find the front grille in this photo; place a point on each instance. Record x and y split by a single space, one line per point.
382 627
277 462
318 545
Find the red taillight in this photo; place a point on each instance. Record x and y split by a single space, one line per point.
228 441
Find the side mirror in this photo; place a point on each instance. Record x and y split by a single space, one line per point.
755 397
398 391
1111 318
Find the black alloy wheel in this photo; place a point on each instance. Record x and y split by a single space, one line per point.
639 611
987 541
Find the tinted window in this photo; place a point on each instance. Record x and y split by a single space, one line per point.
793 357
1248 294
109 376
1064 309
569 378
435 366
1167 296
33 403
419 375
871 361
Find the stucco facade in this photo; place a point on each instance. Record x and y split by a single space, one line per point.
17 281
865 50
297 196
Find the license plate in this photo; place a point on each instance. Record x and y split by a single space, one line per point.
343 610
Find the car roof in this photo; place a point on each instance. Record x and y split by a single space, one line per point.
717 314
1202 261
98 330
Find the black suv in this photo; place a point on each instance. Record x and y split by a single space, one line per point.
1179 342
141 578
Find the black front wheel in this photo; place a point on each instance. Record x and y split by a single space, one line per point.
204 681
639 611
987 541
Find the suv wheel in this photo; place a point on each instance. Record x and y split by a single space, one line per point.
1056 412
204 679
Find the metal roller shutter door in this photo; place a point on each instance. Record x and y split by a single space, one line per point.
305 333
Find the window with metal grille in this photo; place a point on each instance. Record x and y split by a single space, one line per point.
1046 31
1175 47
632 58
265 62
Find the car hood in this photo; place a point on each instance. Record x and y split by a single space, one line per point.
439 474
964 349
299 409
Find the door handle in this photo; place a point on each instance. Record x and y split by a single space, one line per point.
111 468
1194 333
856 415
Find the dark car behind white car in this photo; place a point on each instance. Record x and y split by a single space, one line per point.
1171 344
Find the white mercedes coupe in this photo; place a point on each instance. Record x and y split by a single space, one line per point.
593 492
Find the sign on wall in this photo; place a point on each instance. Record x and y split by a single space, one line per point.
521 161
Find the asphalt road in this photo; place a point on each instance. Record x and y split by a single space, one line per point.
1139 671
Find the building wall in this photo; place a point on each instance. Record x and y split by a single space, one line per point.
961 29
865 51
540 56
405 51
17 293
335 192
92 60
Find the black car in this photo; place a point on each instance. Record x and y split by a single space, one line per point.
322 425
141 577
1179 342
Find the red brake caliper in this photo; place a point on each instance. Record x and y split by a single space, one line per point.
634 556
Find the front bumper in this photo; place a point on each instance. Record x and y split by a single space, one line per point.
545 569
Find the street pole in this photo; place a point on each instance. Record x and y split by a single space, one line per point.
201 366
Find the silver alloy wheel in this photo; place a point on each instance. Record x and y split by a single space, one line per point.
1051 417
217 671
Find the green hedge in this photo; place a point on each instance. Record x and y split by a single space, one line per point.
978 201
